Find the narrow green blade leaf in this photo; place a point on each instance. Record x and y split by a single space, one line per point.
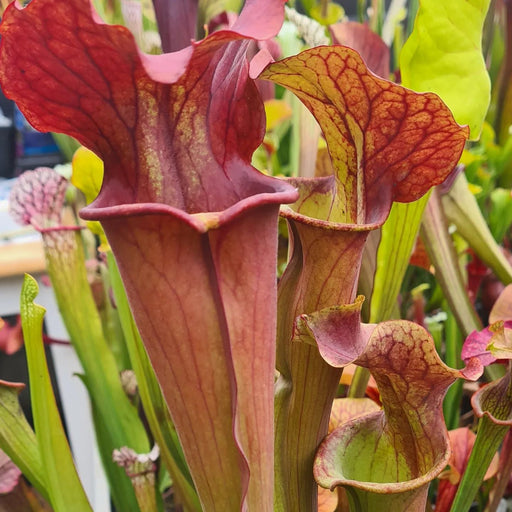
444 55
116 420
462 210
500 216
441 252
17 439
488 441
63 485
493 405
453 346
399 233
121 488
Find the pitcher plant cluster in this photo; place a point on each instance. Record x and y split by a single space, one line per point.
268 253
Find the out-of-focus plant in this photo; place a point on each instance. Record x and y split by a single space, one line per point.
189 233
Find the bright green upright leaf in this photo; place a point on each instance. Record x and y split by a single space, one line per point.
444 55
116 420
62 483
453 346
500 216
399 234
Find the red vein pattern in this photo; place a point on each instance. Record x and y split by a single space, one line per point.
184 211
157 121
401 448
387 143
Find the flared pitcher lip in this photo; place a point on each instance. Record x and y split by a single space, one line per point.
201 221
289 213
388 487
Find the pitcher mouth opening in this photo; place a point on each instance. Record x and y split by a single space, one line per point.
202 221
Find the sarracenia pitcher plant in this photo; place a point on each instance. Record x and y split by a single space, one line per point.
248 364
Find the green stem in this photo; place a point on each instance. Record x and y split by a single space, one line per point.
377 18
451 404
116 419
488 440
413 6
359 382
504 474
361 10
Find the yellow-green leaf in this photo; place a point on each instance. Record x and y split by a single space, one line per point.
444 55
277 111
332 14
87 173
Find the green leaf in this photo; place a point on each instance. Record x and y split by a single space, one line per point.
332 14
62 483
399 234
493 405
17 439
441 252
120 485
500 216
67 145
453 346
116 420
462 441
444 55
461 209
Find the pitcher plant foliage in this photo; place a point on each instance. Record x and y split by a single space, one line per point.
386 143
248 361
